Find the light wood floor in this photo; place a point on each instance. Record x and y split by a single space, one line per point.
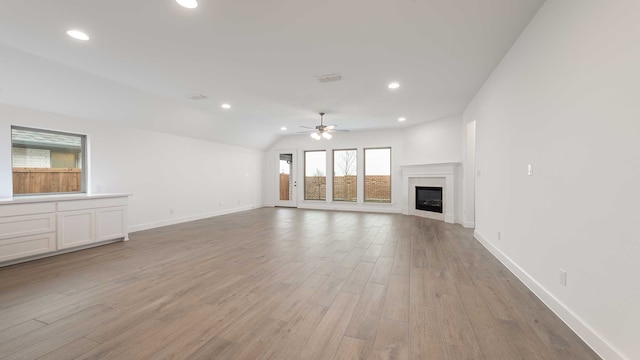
278 283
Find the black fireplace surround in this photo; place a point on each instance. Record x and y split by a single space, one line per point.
429 198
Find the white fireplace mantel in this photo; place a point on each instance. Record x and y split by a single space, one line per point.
445 171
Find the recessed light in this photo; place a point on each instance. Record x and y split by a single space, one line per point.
284 128
189 4
225 106
402 119
77 34
393 85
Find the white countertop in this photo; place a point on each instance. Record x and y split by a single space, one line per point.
61 197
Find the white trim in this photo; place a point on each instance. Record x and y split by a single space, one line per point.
58 252
293 177
348 206
166 222
469 224
589 335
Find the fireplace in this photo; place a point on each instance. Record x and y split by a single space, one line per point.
432 175
429 198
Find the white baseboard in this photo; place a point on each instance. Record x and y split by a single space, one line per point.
58 252
469 224
173 221
589 335
377 208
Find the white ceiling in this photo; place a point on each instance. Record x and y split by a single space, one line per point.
261 56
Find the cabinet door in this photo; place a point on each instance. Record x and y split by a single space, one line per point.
111 223
76 228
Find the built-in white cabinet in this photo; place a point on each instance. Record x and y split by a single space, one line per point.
37 226
83 222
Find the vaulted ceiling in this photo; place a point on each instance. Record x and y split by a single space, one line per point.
145 58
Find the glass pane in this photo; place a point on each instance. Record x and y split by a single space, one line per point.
345 168
46 162
377 175
285 176
315 175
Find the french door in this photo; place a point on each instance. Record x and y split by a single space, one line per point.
286 180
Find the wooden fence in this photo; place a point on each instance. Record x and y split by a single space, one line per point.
315 187
377 188
284 187
43 180
345 188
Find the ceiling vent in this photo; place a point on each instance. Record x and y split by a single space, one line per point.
329 78
197 97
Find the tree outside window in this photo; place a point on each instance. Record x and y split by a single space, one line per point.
345 167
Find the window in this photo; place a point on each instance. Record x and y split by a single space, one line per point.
315 175
345 168
377 175
286 162
47 161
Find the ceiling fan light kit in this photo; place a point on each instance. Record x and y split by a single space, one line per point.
322 131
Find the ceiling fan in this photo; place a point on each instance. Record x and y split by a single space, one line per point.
321 131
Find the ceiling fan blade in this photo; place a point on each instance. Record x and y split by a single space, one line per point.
320 128
336 130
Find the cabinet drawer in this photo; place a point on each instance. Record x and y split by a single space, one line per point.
26 209
92 203
24 246
13 226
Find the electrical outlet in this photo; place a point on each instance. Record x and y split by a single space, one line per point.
220 203
170 211
563 277
499 235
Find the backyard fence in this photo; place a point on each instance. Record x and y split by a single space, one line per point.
284 187
377 188
46 180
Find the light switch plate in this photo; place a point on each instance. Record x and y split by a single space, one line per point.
529 170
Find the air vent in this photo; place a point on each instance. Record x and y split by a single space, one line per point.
197 97
329 78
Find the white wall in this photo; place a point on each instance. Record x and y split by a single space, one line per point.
566 100
195 178
433 142
469 171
